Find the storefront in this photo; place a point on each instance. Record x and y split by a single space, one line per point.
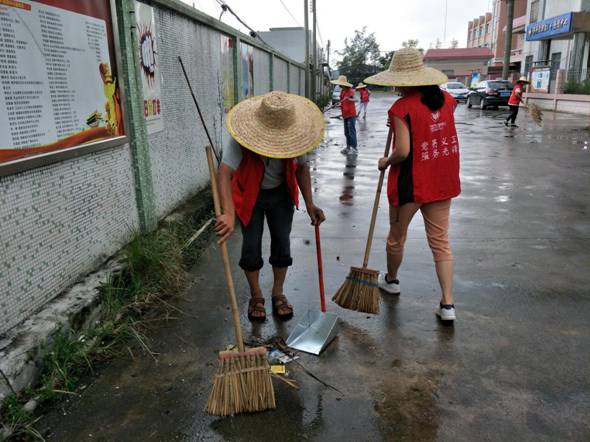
558 43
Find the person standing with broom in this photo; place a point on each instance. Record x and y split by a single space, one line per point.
515 100
424 168
260 176
349 115
364 91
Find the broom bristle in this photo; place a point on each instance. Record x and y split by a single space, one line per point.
360 291
242 384
536 113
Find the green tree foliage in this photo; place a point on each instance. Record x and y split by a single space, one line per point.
360 56
410 44
385 60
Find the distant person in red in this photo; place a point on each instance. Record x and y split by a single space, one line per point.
348 109
423 168
364 91
515 100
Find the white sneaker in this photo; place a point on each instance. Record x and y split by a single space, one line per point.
354 150
446 312
345 150
390 287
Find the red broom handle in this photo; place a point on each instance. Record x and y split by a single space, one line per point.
376 203
318 248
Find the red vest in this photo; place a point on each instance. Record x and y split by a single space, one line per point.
347 107
247 179
514 100
364 95
431 170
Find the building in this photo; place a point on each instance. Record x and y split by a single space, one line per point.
557 42
460 63
291 42
480 32
489 31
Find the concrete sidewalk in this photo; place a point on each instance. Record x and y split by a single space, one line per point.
515 366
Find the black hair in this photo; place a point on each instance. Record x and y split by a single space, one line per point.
432 97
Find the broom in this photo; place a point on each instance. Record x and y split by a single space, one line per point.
360 290
243 380
536 113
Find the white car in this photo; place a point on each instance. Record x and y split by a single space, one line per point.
456 89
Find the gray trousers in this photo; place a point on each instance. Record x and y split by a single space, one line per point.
278 208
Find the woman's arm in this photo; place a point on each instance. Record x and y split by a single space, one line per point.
225 224
304 180
401 148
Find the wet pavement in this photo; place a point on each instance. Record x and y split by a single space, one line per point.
514 367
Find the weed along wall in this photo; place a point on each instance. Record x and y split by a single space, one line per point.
128 149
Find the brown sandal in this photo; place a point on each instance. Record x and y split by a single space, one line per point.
280 302
256 304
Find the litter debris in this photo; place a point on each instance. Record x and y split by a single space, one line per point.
278 369
276 356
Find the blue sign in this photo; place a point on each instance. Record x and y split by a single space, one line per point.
541 30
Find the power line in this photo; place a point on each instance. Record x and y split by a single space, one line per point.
292 16
253 33
319 33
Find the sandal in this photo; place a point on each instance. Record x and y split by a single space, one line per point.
256 304
280 302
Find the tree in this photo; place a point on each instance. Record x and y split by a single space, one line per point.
410 43
360 56
454 43
385 60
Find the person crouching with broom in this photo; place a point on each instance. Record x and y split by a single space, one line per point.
424 168
260 176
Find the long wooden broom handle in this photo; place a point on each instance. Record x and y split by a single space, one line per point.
376 203
224 255
318 249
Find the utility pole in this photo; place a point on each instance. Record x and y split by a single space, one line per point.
314 56
508 38
328 55
306 63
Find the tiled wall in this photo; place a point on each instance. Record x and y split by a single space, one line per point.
58 223
179 165
261 72
280 75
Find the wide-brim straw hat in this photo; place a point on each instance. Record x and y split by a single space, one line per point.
361 85
277 125
406 70
523 80
342 81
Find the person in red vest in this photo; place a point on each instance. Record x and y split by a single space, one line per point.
349 115
515 100
262 171
364 91
424 168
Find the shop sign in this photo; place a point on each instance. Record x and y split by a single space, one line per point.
551 27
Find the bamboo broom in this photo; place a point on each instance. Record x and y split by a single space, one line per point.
360 290
243 380
536 113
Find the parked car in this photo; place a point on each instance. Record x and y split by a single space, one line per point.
456 89
336 94
490 93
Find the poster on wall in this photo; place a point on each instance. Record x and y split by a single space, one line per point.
247 58
150 69
227 72
540 79
58 78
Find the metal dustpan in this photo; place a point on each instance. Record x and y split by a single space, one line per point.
317 329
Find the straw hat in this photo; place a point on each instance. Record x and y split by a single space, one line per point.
361 85
523 80
406 70
276 125
342 81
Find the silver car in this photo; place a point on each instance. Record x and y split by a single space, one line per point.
336 94
457 89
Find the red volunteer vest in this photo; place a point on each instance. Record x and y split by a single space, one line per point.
431 170
514 101
348 108
247 179
364 95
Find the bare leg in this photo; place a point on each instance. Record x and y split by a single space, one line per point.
255 290
444 272
279 273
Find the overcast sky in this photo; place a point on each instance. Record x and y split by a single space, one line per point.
392 21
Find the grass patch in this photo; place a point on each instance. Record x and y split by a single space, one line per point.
156 270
